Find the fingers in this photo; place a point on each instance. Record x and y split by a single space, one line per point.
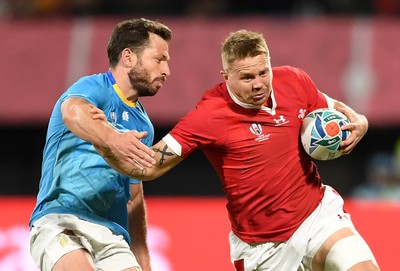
143 159
129 146
143 155
357 131
145 150
139 135
138 165
97 114
352 127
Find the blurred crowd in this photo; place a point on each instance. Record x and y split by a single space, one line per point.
383 176
45 8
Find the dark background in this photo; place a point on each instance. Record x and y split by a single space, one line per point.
22 155
37 8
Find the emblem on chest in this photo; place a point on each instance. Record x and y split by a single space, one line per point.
256 129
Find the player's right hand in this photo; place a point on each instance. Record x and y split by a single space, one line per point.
126 148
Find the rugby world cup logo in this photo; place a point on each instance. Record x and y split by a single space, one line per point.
256 129
327 131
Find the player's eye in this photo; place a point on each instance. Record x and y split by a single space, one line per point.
247 78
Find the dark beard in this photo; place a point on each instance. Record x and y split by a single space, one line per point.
141 81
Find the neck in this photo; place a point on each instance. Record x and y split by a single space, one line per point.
122 80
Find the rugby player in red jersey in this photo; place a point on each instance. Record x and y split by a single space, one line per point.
283 217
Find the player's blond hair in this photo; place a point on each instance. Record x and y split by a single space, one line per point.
242 44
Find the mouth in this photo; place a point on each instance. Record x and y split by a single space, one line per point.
259 96
159 82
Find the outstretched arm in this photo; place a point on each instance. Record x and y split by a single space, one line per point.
165 158
78 117
358 127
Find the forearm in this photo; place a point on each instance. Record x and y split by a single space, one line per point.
141 252
352 115
119 149
338 105
165 159
77 118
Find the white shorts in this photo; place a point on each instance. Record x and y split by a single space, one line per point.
54 235
297 253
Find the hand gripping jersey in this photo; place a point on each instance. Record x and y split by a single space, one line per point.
270 182
75 178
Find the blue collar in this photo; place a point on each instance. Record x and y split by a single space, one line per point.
111 77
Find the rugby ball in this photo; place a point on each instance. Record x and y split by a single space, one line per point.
321 133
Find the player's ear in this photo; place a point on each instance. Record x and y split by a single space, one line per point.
128 57
224 75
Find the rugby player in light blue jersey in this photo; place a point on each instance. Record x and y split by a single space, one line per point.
86 212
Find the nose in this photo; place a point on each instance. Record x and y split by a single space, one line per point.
165 69
258 83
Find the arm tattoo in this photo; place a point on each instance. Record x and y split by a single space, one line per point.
164 153
111 156
134 173
137 173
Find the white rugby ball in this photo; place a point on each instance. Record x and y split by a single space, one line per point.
321 133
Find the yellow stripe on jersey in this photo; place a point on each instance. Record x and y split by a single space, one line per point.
122 97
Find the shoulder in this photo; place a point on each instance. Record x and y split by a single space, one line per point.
216 95
92 88
291 76
212 105
95 80
288 71
90 84
214 102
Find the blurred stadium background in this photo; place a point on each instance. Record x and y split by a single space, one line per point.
349 47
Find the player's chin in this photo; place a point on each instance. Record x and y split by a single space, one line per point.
154 90
150 92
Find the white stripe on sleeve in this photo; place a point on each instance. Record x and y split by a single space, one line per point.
173 144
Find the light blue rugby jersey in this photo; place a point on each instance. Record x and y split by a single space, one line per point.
75 178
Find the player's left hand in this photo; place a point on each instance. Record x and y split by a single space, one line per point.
358 126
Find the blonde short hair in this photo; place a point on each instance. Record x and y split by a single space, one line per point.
242 44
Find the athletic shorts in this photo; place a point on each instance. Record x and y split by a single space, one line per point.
297 253
54 235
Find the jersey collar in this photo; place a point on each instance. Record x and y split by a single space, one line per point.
119 91
250 106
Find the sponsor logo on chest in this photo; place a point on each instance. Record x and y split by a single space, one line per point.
257 129
281 120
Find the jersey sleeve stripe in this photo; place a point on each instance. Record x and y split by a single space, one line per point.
173 144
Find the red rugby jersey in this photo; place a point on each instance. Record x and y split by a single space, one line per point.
271 184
